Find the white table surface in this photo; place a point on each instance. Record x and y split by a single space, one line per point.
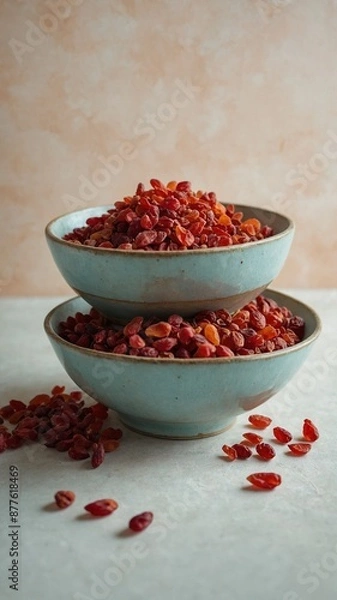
211 539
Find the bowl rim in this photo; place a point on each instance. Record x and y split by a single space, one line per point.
151 253
196 361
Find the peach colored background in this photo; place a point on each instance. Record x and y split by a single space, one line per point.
238 96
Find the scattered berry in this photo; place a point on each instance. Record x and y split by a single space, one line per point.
259 421
300 448
230 451
253 438
282 435
101 508
141 521
266 481
98 453
242 451
310 431
265 451
64 498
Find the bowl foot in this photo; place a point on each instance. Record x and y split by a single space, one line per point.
176 431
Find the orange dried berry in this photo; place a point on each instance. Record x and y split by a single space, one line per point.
259 421
211 334
159 330
171 185
310 431
225 220
110 445
268 332
184 236
251 224
64 498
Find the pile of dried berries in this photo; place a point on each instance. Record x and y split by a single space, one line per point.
168 218
260 326
102 508
265 451
60 421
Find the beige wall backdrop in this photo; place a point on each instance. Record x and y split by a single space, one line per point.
238 96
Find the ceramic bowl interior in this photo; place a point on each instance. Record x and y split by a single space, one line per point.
179 398
123 283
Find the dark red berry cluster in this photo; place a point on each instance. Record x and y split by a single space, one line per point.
60 421
259 327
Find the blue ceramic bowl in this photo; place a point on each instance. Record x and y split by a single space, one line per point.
180 398
124 283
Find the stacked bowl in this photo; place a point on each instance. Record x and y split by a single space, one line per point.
167 396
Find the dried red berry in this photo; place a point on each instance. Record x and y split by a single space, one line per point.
265 451
242 451
253 438
266 481
98 453
141 521
6 411
170 217
99 410
110 445
64 498
259 421
101 508
17 405
77 453
300 448
111 434
209 334
230 452
310 431
282 435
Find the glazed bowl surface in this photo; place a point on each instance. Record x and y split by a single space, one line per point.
181 398
125 283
